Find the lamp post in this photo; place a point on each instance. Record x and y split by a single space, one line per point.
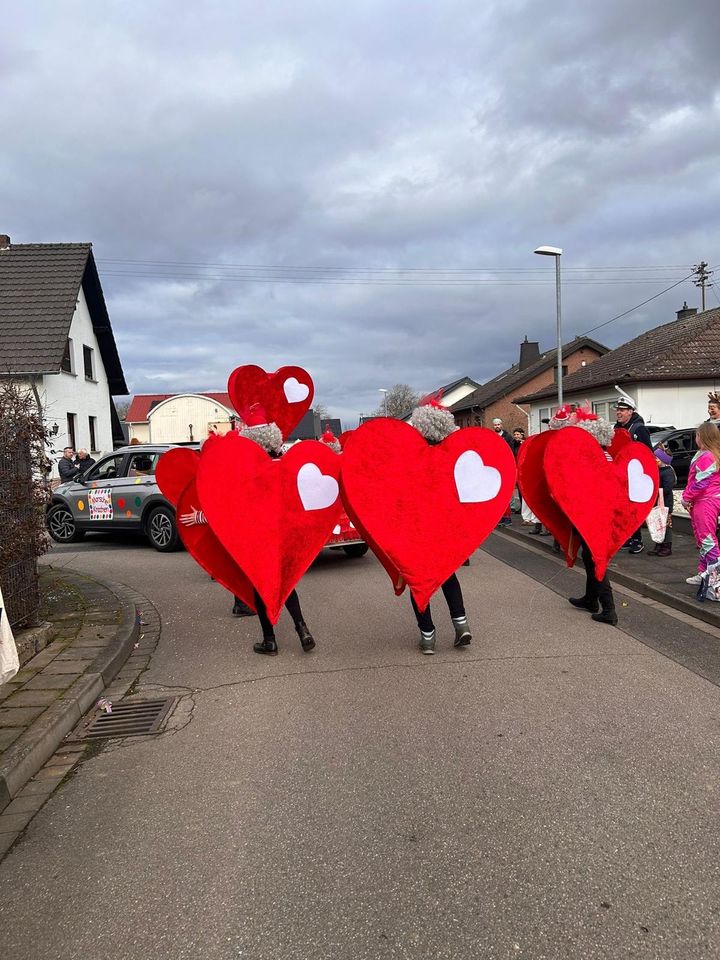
557 253
384 393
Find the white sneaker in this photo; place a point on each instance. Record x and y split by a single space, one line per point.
695 580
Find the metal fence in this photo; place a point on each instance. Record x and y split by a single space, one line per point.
18 518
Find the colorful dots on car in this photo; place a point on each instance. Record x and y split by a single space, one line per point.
138 501
121 504
128 513
81 504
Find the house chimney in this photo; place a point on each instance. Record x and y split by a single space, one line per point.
686 311
4 241
529 352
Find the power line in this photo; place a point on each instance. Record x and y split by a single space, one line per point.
637 306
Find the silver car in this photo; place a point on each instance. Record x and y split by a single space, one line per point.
118 493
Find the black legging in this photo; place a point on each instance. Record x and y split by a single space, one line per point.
667 484
454 597
596 589
292 605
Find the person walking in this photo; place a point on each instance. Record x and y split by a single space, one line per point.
629 419
434 422
668 479
701 498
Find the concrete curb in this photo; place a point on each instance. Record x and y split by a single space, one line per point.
689 607
33 748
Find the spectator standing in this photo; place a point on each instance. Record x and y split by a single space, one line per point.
668 479
83 461
701 498
629 419
714 408
497 425
66 466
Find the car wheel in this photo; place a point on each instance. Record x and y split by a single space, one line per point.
61 525
161 529
356 549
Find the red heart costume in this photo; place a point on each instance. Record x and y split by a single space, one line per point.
286 394
424 508
272 516
176 476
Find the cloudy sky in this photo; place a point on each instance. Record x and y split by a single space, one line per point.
358 188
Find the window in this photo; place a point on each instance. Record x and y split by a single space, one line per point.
71 430
92 424
142 464
88 362
106 469
564 372
605 408
544 413
67 363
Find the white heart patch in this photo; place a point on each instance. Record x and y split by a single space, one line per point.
640 485
475 482
317 491
337 529
295 391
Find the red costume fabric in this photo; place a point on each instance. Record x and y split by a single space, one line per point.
286 394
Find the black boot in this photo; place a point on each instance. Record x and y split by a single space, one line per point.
606 615
585 603
536 530
241 609
305 637
268 646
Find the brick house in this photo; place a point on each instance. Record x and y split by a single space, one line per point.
533 371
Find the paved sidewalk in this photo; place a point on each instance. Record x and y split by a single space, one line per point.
97 629
659 578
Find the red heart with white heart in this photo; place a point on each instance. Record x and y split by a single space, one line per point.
176 475
272 516
606 501
284 395
426 508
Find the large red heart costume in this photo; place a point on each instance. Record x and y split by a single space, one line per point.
606 501
425 508
535 491
272 516
285 395
176 476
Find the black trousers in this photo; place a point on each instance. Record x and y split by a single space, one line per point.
596 589
292 605
453 596
667 485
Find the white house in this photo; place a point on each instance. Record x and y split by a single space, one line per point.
55 337
178 417
668 371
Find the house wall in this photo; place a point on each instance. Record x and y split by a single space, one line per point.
169 421
139 431
63 393
504 408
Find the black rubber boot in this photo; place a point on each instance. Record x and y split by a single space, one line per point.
536 530
606 615
268 646
305 637
241 609
585 603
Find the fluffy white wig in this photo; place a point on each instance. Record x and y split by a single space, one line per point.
266 435
602 430
433 422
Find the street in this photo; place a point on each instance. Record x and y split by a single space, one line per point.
550 791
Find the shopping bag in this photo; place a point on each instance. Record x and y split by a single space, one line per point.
9 663
657 520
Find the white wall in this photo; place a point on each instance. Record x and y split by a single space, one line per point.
64 393
169 421
139 431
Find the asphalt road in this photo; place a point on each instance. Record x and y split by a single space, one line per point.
550 791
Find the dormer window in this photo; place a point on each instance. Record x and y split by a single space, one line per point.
67 363
88 361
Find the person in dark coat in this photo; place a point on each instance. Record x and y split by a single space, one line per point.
629 419
497 425
66 466
83 461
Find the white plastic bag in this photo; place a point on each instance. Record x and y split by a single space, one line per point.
657 520
9 663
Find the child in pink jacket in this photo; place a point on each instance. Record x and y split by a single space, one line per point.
701 497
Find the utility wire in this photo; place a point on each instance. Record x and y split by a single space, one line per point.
638 305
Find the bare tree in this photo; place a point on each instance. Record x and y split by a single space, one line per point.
321 411
397 402
122 407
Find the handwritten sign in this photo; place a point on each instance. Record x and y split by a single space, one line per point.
100 503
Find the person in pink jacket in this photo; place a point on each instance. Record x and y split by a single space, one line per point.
701 497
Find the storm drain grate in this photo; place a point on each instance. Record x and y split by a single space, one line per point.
131 718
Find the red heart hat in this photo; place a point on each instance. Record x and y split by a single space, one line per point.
285 396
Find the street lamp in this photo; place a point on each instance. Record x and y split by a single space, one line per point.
384 393
557 253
